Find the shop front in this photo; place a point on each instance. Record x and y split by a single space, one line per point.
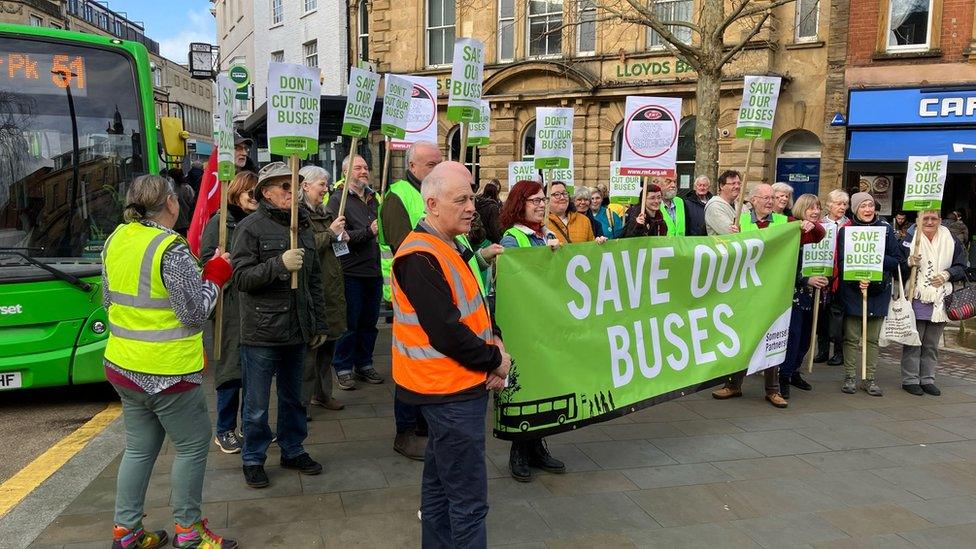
886 126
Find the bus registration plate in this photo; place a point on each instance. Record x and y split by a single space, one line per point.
10 380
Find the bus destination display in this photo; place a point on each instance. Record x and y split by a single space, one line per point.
42 73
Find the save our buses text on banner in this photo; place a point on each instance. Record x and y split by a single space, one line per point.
617 327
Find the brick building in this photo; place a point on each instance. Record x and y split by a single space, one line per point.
908 88
592 66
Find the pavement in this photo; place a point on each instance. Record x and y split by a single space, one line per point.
832 470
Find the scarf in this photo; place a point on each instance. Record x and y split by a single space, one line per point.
936 259
536 228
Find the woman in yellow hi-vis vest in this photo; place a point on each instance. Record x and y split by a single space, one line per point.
158 301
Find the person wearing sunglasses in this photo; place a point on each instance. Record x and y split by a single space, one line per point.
227 369
278 323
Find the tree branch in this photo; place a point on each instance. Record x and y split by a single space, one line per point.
755 10
720 31
648 18
738 47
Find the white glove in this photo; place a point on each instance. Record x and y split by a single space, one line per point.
293 259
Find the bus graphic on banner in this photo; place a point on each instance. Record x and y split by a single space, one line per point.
537 413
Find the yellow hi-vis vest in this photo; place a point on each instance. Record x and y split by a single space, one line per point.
144 333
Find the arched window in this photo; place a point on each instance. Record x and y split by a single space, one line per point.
618 141
528 142
686 153
799 144
454 152
798 161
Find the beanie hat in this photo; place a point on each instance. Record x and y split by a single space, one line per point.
858 198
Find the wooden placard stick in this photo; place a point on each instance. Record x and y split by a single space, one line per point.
385 176
813 329
745 178
293 229
353 147
222 246
864 334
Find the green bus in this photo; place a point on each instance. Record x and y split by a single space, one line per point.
77 123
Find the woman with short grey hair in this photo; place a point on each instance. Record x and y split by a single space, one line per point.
581 201
782 198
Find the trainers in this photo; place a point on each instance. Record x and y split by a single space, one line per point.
137 538
255 477
329 404
726 392
850 386
228 442
369 375
913 389
777 400
345 381
931 389
410 446
303 464
871 387
198 536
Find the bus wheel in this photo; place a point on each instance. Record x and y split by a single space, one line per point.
562 419
524 426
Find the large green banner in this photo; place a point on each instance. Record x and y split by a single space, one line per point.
597 331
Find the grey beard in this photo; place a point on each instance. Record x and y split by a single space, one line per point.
669 195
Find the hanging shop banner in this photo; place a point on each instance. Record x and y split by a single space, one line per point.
818 259
396 106
294 93
464 97
422 116
636 322
925 182
553 137
224 130
624 189
759 97
241 77
864 250
478 132
522 171
650 141
360 102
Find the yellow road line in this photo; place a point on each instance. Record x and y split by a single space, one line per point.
37 471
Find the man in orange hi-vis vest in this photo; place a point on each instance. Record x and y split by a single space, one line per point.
446 357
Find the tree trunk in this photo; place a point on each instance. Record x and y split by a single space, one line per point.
706 124
709 87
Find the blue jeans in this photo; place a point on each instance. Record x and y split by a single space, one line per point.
798 341
228 405
454 490
408 418
354 350
260 365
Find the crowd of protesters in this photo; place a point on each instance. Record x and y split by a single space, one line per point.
301 315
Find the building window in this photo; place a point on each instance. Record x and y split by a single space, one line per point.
440 32
277 11
671 10
506 30
685 157
311 5
454 152
544 32
528 142
586 30
311 52
36 21
157 77
55 26
807 18
363 30
278 56
909 22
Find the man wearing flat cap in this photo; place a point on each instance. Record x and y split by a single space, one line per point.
277 323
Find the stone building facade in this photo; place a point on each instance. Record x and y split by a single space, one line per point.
592 66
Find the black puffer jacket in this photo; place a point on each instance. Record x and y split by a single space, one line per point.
271 312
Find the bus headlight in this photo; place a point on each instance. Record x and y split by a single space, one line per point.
98 327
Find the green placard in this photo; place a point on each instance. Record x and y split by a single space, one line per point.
864 250
464 94
925 183
225 128
360 102
634 322
294 95
760 95
818 259
553 137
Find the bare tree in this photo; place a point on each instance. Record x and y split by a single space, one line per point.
708 52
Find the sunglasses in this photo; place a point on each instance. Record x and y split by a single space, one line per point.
286 186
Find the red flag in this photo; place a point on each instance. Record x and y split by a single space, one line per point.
208 202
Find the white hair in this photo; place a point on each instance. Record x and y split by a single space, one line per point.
348 159
413 149
705 177
580 192
780 187
838 195
314 173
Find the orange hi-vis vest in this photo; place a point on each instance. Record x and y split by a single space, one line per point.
417 366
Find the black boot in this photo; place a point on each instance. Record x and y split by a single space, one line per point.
837 359
518 462
823 352
784 387
799 382
540 457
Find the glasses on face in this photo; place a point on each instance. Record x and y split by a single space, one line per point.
560 195
286 186
538 201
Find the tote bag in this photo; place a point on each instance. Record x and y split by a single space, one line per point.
899 325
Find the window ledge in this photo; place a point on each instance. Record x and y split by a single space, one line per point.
805 45
307 13
925 54
277 25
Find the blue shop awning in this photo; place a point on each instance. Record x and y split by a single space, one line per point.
897 146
